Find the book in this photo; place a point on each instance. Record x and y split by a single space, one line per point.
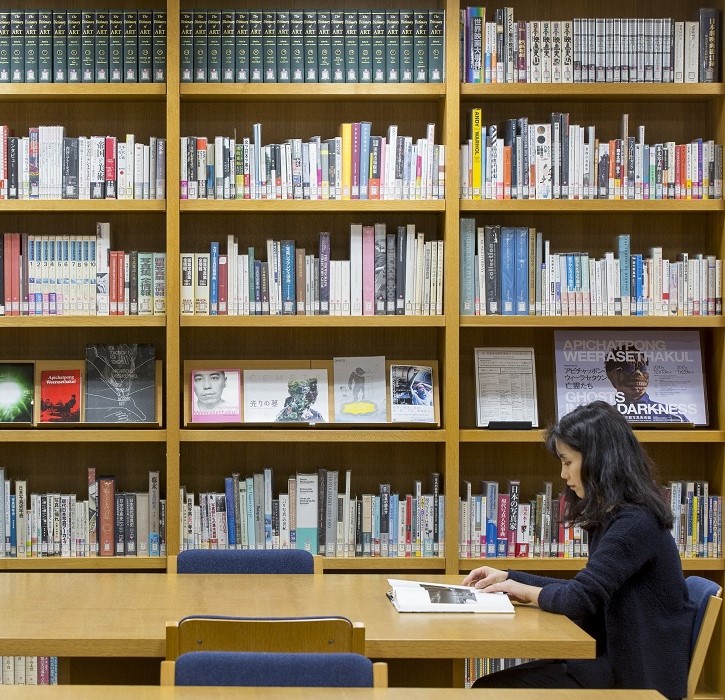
359 389
650 376
17 392
285 396
215 396
60 396
120 384
411 394
419 596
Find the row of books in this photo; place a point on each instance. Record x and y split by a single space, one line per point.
108 523
78 275
314 515
511 270
475 667
387 273
559 160
82 46
313 46
47 164
500 524
589 50
29 670
353 165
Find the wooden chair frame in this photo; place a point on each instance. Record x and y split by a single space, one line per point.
704 636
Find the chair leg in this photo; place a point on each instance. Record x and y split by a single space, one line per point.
380 674
168 673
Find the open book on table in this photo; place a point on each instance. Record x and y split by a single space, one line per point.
417 596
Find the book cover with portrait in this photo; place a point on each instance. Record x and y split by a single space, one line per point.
286 396
215 396
60 396
651 377
411 394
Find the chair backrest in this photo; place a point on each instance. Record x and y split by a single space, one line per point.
289 634
707 596
245 561
277 669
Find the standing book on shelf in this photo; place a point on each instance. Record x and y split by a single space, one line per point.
360 390
216 396
412 394
120 383
16 392
60 395
285 396
652 377
505 386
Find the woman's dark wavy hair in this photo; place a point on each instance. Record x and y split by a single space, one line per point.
616 470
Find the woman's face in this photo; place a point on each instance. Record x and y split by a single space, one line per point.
571 467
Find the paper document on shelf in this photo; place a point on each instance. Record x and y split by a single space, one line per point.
419 596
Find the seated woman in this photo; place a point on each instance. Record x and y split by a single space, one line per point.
631 595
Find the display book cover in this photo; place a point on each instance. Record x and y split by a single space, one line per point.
60 394
652 377
17 392
120 383
419 596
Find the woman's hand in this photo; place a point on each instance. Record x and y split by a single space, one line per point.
519 592
485 576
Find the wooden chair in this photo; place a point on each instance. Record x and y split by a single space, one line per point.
707 595
247 561
265 669
303 634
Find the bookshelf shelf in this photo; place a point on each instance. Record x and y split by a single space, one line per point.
49 434
592 321
82 321
319 92
96 206
83 564
581 92
313 321
60 92
383 563
299 206
320 434
478 435
594 206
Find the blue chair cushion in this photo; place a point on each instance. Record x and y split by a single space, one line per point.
233 668
245 561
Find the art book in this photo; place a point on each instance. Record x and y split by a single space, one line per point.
215 396
417 596
60 396
120 383
285 396
652 377
411 394
359 391
17 392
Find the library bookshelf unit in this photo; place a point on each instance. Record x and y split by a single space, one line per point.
199 458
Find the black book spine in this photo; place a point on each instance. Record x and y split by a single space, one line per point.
88 46
310 39
186 47
392 46
378 46
297 46
420 46
324 47
145 46
256 49
130 46
70 168
436 45
337 41
228 47
17 46
74 47
352 53
200 46
269 46
407 46
159 47
709 44
213 46
365 46
4 46
390 276
241 61
31 46
115 47
103 47
45 46
400 259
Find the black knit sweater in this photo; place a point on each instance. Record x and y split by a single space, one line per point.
632 598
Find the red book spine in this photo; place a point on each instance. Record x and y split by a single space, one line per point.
503 525
223 285
113 283
110 175
106 516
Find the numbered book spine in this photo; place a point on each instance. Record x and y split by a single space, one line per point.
4 46
324 46
228 46
145 49
337 33
241 46
352 74
75 46
88 46
130 46
407 46
365 46
309 29
269 46
31 46
186 47
102 47
213 46
60 46
115 46
436 46
17 46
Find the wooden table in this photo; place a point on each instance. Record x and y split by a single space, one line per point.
118 692
124 615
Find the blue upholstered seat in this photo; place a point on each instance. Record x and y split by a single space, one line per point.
243 561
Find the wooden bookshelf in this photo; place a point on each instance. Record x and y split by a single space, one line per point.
457 450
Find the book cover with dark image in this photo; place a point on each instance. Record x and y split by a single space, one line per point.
16 392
